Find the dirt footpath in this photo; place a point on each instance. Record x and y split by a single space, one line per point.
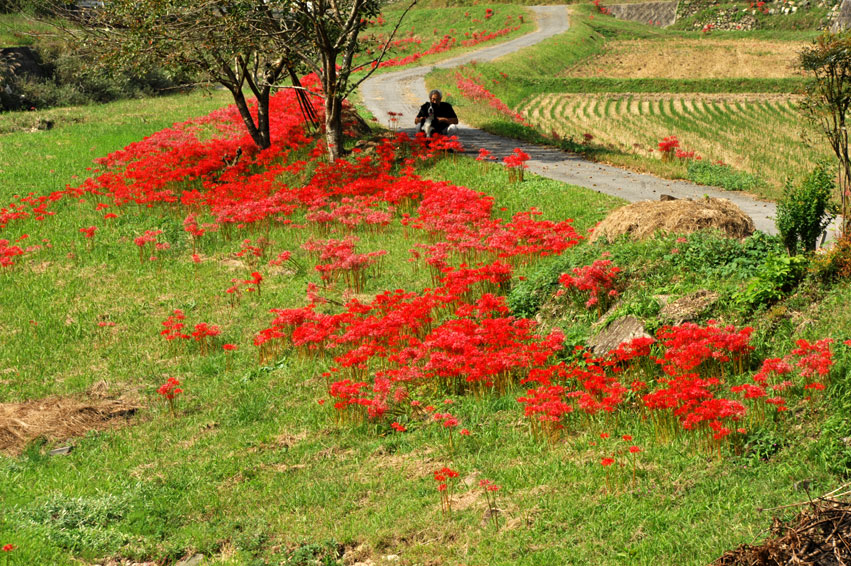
403 91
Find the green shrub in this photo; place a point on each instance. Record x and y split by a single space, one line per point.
74 78
776 277
721 175
710 253
805 211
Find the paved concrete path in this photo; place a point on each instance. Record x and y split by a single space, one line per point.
404 91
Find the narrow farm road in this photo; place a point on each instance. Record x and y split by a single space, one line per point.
404 91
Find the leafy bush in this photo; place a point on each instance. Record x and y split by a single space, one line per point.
721 175
776 277
711 253
805 211
833 263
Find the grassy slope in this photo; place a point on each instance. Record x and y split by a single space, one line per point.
253 469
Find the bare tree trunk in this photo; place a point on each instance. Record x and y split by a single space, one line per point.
334 127
259 132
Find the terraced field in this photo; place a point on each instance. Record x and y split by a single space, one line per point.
758 133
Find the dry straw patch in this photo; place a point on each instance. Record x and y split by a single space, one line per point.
692 59
59 418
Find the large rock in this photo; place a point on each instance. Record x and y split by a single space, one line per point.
678 216
616 333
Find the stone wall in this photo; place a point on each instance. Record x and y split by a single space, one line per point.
654 13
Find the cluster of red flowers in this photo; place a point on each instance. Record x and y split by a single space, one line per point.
760 6
345 264
170 389
169 392
684 376
174 330
445 478
7 252
600 8
516 163
670 148
149 241
669 144
473 89
598 280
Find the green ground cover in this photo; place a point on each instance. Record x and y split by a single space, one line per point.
252 470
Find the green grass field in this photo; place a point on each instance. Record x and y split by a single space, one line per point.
254 467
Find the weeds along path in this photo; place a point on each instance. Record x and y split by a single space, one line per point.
404 91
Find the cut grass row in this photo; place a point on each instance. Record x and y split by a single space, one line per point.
754 133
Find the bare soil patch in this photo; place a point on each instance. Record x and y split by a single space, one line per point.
59 418
692 59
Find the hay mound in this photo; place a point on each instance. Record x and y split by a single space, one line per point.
678 216
58 418
819 536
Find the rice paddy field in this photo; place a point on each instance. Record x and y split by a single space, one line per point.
756 133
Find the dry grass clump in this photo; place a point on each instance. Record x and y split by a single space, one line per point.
644 219
59 418
819 536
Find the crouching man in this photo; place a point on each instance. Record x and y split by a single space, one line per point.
436 116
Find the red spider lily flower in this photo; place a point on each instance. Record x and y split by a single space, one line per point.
89 232
605 462
626 438
604 435
464 432
170 389
398 427
8 547
634 449
229 347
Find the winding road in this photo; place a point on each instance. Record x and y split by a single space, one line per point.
404 91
